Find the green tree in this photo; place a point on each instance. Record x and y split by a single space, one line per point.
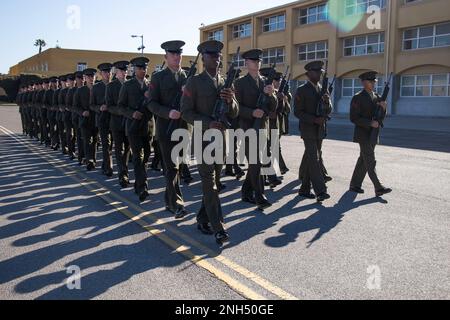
40 43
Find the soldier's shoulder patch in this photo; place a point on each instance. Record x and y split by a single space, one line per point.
187 93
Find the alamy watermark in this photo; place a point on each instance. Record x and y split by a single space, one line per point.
374 280
213 146
73 21
74 281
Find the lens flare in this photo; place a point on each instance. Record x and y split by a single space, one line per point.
346 14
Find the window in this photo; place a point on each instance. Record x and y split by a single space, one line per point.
274 23
313 51
216 35
270 55
242 30
240 61
360 6
81 66
434 85
313 14
351 86
427 37
296 84
364 45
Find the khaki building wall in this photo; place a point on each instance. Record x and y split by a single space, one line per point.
64 61
396 17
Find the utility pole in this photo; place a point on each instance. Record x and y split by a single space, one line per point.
142 47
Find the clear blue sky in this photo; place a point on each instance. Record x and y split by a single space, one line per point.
108 24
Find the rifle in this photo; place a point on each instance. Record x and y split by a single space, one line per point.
141 107
287 88
284 81
320 111
177 99
331 87
379 116
221 107
263 98
283 85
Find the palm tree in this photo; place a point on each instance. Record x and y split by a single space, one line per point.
40 43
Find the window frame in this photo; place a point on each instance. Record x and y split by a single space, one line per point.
316 14
241 30
276 23
417 37
212 34
362 4
240 60
379 87
270 57
380 45
315 51
81 64
430 86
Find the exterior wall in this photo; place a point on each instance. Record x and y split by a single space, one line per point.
396 17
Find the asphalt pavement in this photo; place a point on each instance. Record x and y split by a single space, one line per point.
55 216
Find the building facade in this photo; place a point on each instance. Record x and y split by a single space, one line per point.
411 39
56 61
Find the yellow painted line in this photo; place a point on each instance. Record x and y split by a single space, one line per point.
265 284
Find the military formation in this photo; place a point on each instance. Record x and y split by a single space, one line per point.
132 118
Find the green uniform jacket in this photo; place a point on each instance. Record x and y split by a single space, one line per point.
163 90
199 99
62 103
306 101
48 99
112 99
131 99
102 119
283 109
41 100
247 95
362 111
81 103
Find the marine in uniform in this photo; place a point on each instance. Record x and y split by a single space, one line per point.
54 116
21 111
39 110
79 83
45 138
67 117
272 180
248 91
164 88
313 130
117 124
103 117
197 105
82 101
35 111
60 116
362 114
282 121
131 104
27 104
50 112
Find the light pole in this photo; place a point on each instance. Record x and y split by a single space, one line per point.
142 47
